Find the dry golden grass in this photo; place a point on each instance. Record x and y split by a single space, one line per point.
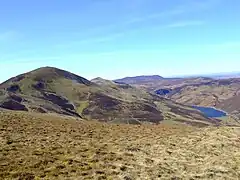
51 147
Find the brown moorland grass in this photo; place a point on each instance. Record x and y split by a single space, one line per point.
35 146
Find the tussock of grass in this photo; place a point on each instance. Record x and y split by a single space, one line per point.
53 147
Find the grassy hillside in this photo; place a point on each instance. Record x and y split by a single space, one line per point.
52 147
51 90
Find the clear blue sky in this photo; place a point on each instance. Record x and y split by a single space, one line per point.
117 38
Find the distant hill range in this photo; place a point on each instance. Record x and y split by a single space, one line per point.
226 75
139 79
144 79
154 82
52 90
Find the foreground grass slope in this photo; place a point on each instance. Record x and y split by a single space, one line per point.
51 147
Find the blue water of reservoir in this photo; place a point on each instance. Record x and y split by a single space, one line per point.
210 112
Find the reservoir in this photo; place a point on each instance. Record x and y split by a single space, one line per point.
210 112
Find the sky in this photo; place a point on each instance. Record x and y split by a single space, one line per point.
117 38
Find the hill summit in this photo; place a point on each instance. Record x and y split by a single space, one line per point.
48 74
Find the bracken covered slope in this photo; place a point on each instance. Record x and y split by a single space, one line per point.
53 147
51 90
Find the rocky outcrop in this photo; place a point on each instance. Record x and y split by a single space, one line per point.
59 100
67 108
39 85
15 98
13 88
13 105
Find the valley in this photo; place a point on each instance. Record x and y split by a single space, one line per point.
222 94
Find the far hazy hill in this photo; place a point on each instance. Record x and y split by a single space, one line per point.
152 83
51 90
225 75
138 79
